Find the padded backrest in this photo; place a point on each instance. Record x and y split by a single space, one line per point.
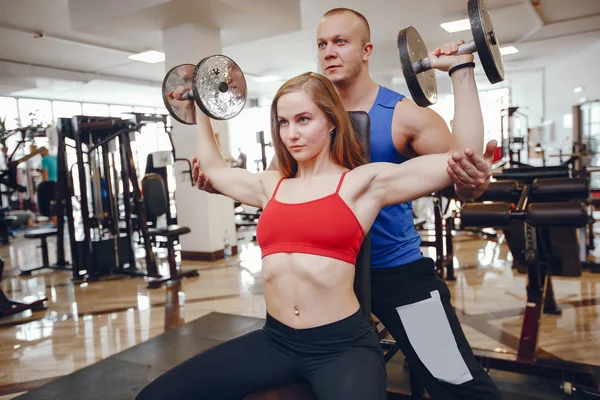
155 195
362 125
362 278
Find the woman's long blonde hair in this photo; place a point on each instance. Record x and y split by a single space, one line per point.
346 149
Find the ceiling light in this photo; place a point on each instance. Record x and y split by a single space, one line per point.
508 50
578 89
267 78
150 57
457 26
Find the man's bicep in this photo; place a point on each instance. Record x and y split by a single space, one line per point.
424 130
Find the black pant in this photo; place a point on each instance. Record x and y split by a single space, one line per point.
341 360
414 305
47 193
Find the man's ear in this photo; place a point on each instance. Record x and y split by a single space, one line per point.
367 50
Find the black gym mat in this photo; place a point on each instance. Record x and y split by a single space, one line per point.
123 375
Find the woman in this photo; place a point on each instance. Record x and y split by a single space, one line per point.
316 209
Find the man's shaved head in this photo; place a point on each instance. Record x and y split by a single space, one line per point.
364 28
344 42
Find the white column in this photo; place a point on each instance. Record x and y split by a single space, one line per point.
209 216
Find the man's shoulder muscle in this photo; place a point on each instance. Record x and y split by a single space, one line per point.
421 130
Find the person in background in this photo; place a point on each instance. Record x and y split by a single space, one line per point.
49 166
47 190
242 159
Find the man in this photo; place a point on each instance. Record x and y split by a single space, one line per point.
407 296
47 189
49 166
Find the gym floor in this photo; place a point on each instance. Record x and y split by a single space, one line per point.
87 323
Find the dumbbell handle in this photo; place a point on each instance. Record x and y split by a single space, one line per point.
189 95
424 65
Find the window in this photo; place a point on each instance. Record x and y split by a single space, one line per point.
144 110
162 138
492 102
243 136
124 112
10 112
95 110
568 121
35 112
65 109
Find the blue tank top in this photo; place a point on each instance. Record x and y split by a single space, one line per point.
394 240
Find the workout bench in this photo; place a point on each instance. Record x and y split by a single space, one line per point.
543 203
43 234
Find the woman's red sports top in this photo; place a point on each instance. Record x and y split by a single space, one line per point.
325 227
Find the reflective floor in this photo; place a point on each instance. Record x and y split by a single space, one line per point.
86 323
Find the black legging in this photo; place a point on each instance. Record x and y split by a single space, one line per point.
341 360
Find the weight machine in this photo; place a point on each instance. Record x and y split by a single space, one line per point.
579 164
540 204
443 243
109 197
247 215
9 177
514 126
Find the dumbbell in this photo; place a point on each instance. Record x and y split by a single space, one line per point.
217 85
415 63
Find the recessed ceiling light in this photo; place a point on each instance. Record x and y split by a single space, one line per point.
508 50
578 89
150 57
457 26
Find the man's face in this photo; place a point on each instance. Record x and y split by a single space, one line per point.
341 51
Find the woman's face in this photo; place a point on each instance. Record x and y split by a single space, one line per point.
303 127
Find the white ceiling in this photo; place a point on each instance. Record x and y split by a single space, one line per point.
83 53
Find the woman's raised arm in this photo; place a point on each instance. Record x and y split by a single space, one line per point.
239 184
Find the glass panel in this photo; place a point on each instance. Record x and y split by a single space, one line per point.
121 111
146 142
9 112
35 112
492 103
162 111
144 110
243 137
65 109
595 112
95 110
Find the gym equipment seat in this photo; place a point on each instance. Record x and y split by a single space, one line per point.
157 204
43 235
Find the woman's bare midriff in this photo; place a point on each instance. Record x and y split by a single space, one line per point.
304 291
